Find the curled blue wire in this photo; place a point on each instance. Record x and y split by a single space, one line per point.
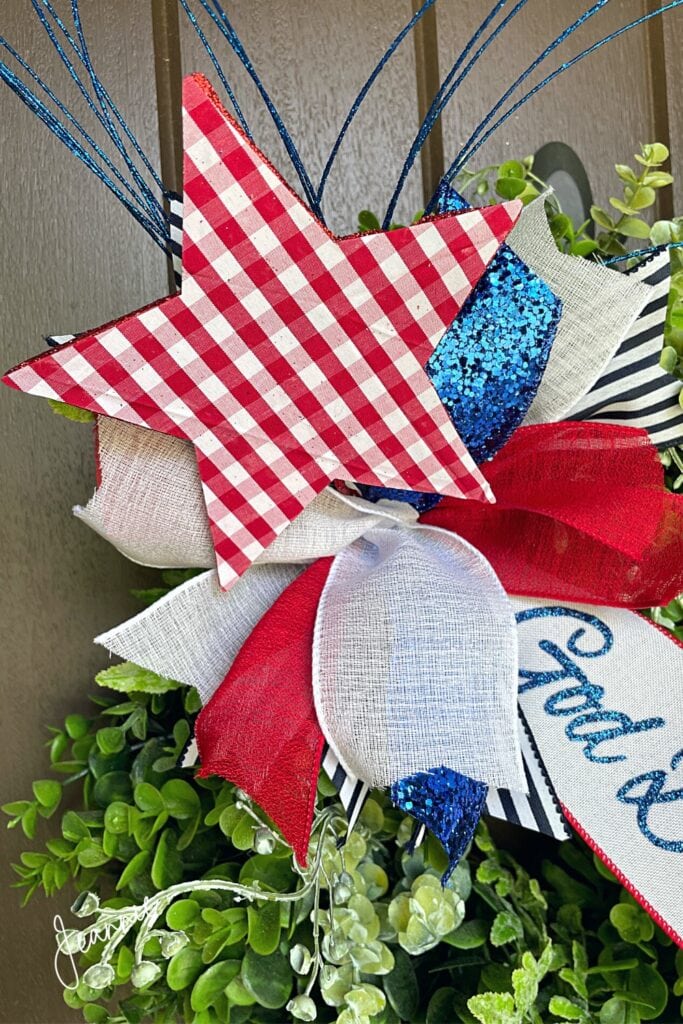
384 59
107 105
192 18
222 22
445 94
637 254
474 144
154 207
44 114
5 45
561 38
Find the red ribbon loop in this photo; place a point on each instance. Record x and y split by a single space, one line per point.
581 515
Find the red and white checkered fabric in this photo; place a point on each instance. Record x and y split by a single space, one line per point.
289 357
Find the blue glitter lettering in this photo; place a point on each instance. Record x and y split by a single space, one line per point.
654 795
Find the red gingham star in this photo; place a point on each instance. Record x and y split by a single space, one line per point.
289 357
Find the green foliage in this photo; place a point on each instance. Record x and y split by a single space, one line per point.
71 412
504 941
639 193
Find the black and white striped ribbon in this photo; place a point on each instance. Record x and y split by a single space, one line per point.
539 810
175 219
634 390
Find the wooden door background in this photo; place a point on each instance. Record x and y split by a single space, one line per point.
72 258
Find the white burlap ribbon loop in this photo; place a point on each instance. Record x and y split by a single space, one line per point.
194 634
149 505
599 306
415 660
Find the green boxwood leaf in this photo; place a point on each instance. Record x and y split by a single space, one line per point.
76 726
243 833
441 1006
71 412
117 818
110 740
112 786
180 799
618 1011
401 987
135 866
469 935
267 978
183 969
90 854
506 927
634 227
561 226
47 792
130 678
272 871
367 221
182 914
602 218
584 247
562 1007
494 1008
510 188
622 207
238 996
263 932
148 798
511 169
525 988
74 828
212 983
93 1013
642 197
646 984
167 866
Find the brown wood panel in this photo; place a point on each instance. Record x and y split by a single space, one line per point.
71 258
314 58
673 48
603 107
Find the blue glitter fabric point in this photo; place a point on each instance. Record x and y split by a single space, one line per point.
490 362
448 803
421 501
488 365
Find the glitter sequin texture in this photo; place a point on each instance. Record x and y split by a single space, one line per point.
489 364
421 501
448 803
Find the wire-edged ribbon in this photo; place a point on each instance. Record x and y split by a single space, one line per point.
410 635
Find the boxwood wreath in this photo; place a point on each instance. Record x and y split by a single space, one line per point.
517 935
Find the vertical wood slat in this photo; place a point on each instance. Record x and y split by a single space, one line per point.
425 37
659 74
72 258
166 36
168 80
673 47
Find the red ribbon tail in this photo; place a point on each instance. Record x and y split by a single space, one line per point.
260 729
